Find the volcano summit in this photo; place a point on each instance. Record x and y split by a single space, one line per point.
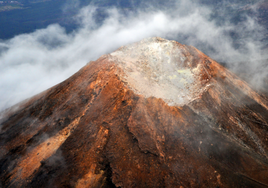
151 114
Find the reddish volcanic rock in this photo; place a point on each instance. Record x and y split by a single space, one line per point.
152 114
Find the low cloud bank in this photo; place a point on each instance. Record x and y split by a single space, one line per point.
31 63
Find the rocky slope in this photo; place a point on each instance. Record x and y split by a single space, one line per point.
151 114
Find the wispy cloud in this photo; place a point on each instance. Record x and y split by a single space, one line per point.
31 63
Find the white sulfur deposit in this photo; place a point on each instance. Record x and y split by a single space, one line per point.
159 68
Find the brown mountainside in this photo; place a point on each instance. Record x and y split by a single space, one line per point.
151 114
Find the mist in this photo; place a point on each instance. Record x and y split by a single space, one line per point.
31 63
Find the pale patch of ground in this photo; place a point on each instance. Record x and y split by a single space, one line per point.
156 67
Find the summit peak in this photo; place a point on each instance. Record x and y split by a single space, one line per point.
163 69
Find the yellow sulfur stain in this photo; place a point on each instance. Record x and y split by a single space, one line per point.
184 71
180 71
172 77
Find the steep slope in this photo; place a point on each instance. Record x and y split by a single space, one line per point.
151 114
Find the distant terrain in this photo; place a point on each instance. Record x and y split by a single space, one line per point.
26 16
31 16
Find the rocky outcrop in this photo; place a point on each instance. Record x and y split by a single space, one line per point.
151 114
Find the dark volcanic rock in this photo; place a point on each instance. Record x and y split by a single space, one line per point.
152 114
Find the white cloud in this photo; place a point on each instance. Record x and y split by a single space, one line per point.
31 63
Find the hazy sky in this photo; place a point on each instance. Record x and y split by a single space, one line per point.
31 63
